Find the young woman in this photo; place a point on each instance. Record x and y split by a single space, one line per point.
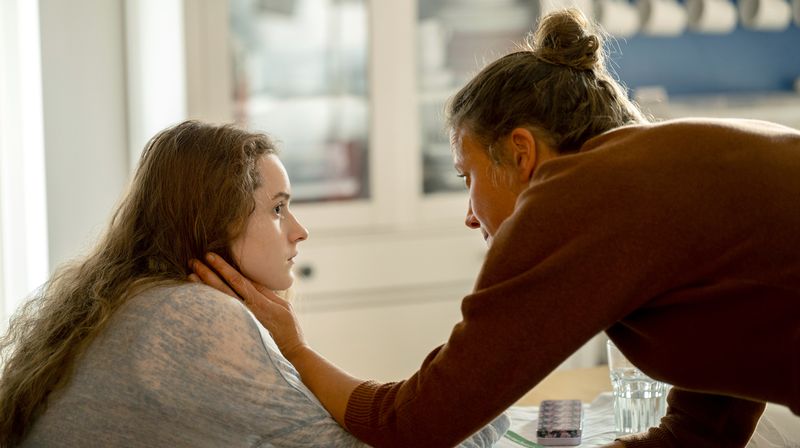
679 239
119 349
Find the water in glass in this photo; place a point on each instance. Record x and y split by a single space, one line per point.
639 401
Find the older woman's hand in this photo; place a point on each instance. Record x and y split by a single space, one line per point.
275 313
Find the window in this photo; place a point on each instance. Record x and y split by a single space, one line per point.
23 217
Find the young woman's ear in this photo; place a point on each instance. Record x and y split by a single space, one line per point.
523 153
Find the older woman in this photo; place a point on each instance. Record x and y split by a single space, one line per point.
679 239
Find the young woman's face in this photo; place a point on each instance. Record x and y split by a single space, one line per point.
265 250
492 190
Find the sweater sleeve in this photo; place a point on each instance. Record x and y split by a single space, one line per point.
585 248
640 234
696 419
545 289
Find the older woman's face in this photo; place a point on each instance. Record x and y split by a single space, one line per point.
493 189
265 250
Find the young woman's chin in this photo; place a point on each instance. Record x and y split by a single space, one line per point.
275 278
283 286
275 283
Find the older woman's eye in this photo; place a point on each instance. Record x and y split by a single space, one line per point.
466 180
278 209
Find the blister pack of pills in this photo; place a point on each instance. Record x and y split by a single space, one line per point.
560 423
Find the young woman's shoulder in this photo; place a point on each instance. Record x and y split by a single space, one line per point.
184 365
180 322
190 303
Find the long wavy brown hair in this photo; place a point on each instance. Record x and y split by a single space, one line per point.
191 193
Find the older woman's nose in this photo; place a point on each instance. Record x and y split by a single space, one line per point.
471 221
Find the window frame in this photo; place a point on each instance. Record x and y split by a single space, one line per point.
24 264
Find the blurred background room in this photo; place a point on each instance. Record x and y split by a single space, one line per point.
354 91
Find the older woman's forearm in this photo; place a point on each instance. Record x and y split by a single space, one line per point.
330 384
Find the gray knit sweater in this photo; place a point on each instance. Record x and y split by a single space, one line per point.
186 365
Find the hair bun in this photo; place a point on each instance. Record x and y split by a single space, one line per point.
567 38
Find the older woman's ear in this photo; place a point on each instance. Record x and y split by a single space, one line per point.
524 157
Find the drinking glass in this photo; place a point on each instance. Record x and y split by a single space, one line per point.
639 401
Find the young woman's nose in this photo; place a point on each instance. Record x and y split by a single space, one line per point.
299 232
303 235
471 221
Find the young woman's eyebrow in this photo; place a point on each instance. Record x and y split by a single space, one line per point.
281 194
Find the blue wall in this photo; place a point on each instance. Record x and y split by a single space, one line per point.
742 61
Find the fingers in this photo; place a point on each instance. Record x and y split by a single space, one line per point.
203 274
241 285
253 294
270 294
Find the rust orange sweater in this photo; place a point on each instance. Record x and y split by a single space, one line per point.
681 240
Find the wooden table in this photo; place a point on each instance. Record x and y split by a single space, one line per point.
580 384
